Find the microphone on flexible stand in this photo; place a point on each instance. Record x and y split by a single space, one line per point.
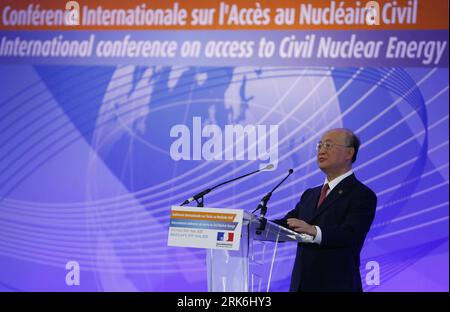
199 196
263 203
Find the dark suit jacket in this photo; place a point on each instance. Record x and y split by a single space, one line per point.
344 218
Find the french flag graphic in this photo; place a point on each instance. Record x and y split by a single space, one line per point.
225 237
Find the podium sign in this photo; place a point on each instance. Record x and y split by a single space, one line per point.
205 227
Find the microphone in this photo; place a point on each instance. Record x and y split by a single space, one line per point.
200 195
263 204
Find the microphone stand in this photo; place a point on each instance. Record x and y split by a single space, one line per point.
263 204
199 197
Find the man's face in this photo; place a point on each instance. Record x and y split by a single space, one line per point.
337 156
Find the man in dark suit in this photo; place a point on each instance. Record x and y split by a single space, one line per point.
337 214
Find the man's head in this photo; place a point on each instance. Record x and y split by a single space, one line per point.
337 150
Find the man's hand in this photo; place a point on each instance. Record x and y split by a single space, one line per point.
301 226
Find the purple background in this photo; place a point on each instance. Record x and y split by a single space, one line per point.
86 173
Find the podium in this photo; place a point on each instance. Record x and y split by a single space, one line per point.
250 268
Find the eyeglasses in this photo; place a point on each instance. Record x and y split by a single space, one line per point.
328 146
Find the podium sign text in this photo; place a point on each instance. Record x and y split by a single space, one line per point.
205 227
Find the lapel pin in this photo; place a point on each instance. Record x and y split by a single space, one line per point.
340 192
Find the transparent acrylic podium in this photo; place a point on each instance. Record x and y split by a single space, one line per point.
250 268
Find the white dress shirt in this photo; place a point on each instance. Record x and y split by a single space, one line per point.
331 184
